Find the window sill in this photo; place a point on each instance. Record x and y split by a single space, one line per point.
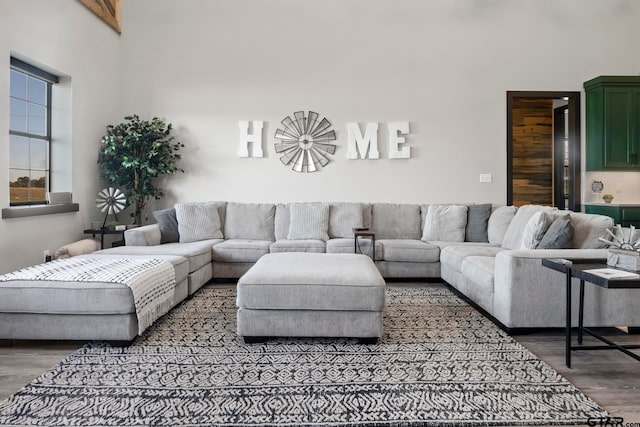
33 210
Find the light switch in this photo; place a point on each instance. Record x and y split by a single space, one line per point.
486 177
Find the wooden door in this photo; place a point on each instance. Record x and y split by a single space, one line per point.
532 155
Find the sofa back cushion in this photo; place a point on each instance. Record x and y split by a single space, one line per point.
396 221
498 223
308 221
513 236
445 223
343 217
198 221
251 221
587 228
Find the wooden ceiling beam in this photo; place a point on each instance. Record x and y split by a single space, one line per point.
110 11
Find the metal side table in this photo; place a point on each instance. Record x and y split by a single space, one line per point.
582 269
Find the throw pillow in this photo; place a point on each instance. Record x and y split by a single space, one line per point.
309 221
559 235
343 217
168 223
478 223
534 230
198 221
281 221
445 223
513 236
499 222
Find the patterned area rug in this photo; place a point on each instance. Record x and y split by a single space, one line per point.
440 362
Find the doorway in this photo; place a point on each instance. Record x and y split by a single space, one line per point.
543 149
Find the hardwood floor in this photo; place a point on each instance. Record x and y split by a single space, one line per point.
24 361
610 378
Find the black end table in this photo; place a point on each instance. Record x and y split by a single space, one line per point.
102 232
357 234
582 269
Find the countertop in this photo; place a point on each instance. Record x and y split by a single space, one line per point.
620 205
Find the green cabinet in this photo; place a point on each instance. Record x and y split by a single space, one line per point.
622 214
613 123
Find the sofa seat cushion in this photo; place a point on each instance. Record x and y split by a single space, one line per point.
197 253
453 256
409 250
480 270
284 245
240 250
299 281
346 246
59 297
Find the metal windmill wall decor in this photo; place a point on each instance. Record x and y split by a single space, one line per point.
305 141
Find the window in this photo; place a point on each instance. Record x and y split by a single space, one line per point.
29 133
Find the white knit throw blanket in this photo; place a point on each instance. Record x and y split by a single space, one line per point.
152 281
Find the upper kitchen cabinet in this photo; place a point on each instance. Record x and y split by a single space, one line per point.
613 123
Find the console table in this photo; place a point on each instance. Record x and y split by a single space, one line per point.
583 269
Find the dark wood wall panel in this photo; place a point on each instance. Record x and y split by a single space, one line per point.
532 151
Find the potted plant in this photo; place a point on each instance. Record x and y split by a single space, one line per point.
607 198
134 153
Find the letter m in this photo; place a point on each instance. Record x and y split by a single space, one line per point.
359 143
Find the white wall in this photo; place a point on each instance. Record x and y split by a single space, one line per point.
444 66
66 37
624 186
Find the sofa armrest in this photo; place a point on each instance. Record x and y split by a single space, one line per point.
527 294
147 235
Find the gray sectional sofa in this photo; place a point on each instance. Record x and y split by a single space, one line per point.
483 251
412 241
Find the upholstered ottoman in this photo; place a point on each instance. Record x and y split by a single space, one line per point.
311 295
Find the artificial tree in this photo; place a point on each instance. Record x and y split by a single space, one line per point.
134 153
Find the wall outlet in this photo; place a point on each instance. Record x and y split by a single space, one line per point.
486 177
46 255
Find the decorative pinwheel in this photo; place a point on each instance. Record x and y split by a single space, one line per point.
620 241
305 141
111 201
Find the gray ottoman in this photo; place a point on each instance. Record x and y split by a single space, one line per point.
311 295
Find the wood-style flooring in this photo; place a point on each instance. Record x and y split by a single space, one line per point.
610 378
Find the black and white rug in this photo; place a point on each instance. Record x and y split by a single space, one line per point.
439 363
